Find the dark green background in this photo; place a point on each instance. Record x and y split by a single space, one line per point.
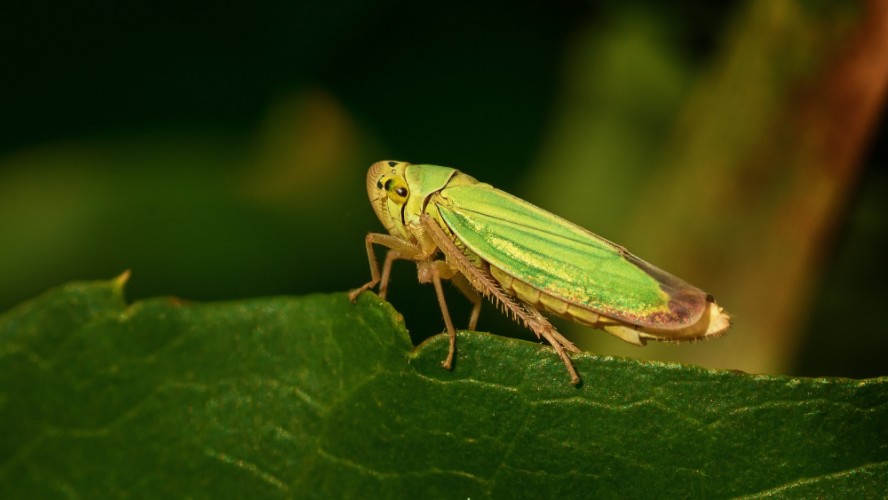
162 103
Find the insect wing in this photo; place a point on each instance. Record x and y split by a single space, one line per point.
566 261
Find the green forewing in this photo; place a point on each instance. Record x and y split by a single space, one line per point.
565 260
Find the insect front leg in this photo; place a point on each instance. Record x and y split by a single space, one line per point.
390 256
398 249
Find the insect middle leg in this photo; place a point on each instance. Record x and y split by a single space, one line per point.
486 284
433 271
462 283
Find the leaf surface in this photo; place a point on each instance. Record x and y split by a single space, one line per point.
316 397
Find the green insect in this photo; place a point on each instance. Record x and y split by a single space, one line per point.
525 259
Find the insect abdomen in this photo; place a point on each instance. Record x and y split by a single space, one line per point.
543 300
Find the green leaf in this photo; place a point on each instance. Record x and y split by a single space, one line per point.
317 397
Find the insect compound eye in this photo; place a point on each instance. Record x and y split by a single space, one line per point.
397 190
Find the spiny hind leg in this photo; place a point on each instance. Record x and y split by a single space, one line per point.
542 328
489 287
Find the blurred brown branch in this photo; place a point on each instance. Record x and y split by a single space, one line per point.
761 165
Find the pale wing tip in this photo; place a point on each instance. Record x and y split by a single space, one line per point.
719 321
713 323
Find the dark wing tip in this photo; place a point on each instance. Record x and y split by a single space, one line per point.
687 303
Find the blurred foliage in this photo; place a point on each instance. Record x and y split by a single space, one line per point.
316 397
760 154
220 153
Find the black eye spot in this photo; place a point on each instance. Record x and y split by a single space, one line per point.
392 163
379 184
388 185
401 191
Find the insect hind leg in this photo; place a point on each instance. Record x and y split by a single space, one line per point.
482 281
543 328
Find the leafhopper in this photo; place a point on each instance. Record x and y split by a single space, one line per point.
526 260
